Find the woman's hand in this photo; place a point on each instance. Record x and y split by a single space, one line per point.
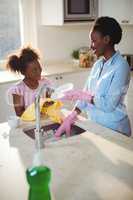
74 95
66 125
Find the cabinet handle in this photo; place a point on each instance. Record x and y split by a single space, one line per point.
60 77
56 78
125 21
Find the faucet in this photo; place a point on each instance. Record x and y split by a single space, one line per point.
38 131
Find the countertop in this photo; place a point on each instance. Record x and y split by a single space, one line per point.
51 68
96 165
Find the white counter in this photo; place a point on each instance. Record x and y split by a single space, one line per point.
96 165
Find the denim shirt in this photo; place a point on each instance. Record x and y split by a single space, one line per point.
108 82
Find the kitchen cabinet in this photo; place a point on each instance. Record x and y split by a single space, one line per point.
51 12
120 10
77 78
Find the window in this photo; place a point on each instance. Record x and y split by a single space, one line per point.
10 29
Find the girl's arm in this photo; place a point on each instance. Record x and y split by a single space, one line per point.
18 104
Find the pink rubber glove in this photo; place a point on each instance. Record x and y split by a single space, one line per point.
66 125
77 95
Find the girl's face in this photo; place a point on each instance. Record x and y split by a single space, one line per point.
33 71
99 43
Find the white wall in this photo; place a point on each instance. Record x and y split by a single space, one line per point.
126 44
58 42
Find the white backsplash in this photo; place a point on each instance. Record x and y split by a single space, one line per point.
57 43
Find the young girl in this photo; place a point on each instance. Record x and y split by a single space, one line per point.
28 64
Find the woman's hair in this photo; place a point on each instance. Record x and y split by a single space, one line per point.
108 26
18 62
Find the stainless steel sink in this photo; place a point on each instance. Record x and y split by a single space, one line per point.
49 130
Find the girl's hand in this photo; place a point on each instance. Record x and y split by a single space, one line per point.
49 91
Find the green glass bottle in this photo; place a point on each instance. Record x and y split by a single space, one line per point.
39 178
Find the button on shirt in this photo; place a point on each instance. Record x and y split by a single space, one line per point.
109 81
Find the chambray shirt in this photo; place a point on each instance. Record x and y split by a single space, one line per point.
108 82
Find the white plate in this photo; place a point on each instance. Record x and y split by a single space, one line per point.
59 91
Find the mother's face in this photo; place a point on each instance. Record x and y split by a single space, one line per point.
99 43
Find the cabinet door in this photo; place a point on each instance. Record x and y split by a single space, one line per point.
51 12
121 10
77 78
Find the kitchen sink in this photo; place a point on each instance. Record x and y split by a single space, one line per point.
48 131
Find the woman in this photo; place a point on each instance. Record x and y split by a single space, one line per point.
107 84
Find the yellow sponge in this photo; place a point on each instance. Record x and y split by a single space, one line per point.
53 111
29 113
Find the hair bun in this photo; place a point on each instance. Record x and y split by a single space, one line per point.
26 51
13 63
28 54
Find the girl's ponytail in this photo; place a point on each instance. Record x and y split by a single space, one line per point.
13 63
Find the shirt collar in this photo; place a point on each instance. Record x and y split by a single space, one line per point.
110 60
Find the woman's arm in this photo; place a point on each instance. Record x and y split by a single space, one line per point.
18 104
108 101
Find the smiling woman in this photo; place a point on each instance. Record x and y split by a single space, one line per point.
10 27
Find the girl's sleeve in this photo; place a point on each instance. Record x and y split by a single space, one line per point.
16 89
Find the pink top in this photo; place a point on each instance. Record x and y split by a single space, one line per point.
28 94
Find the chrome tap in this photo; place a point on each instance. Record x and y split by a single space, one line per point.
38 131
55 94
